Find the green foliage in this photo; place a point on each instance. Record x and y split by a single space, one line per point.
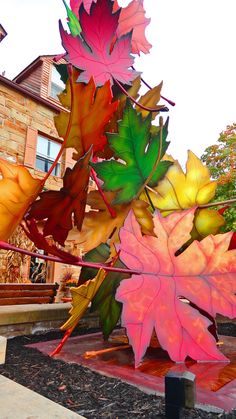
223 193
138 152
220 159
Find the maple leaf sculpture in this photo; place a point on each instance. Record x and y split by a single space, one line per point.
104 303
18 189
178 287
57 207
81 298
179 190
204 274
98 288
99 227
73 22
132 17
95 53
150 99
91 110
138 152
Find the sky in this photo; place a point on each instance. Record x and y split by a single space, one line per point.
193 52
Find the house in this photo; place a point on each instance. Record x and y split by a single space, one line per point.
28 136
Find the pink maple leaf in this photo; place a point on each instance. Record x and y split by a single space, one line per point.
96 55
204 274
132 17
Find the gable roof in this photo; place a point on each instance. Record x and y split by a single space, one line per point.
31 67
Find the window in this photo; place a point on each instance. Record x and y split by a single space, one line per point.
46 152
57 85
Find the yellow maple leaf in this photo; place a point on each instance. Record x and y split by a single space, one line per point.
179 190
18 189
206 221
99 227
150 100
81 297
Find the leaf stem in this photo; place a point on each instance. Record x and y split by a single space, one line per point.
63 341
157 159
67 129
161 109
216 204
109 208
149 87
78 262
149 198
8 246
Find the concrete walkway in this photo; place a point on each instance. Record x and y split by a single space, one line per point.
18 402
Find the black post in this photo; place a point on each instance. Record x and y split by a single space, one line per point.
180 391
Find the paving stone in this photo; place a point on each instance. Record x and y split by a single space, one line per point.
17 401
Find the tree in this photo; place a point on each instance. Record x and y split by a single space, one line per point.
221 161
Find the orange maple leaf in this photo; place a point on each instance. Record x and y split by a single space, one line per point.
91 109
18 189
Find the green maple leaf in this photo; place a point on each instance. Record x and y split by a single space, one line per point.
73 22
104 302
138 151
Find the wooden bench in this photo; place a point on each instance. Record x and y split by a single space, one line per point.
11 294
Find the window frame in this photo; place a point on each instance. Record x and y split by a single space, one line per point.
47 159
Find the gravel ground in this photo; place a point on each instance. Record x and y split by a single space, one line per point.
83 391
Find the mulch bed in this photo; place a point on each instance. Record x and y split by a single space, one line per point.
83 391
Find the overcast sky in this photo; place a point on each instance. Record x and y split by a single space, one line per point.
194 43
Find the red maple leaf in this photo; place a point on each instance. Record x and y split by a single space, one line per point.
61 209
96 54
31 230
204 274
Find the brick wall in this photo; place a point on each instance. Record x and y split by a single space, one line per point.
17 114
21 115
